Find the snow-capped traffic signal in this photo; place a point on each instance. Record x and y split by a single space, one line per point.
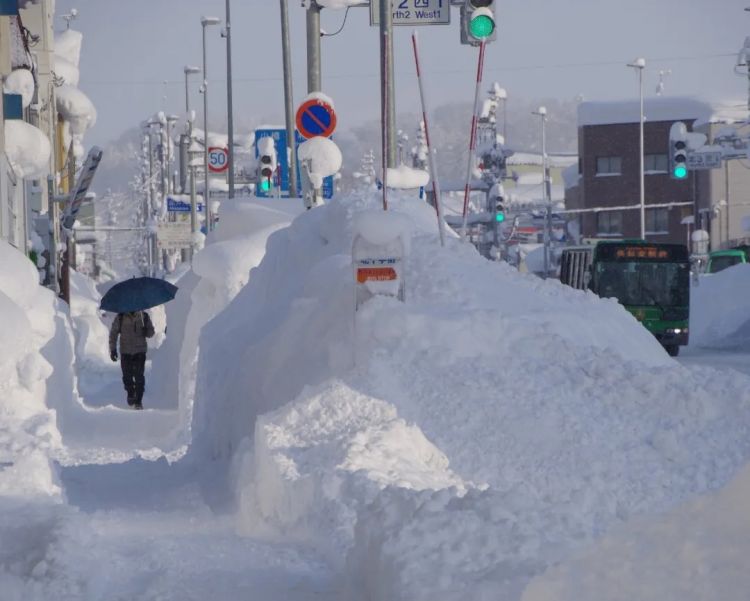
678 151
267 162
478 22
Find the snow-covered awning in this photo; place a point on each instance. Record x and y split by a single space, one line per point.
27 148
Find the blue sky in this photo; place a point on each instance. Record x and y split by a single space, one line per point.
545 48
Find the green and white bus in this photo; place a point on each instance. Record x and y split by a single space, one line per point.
650 280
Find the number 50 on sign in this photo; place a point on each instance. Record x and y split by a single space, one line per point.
217 159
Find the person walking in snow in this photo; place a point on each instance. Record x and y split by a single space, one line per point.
132 329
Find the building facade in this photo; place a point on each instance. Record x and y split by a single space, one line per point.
608 177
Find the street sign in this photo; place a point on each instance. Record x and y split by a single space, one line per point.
281 179
173 234
78 194
316 118
175 205
217 159
414 12
697 161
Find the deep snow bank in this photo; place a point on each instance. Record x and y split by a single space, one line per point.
554 411
28 432
696 553
219 271
719 309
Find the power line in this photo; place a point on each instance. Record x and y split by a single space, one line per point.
360 75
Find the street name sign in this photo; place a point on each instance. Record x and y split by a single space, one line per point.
175 205
414 12
697 161
217 159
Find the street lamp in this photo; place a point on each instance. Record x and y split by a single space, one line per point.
189 70
542 112
206 22
640 65
230 110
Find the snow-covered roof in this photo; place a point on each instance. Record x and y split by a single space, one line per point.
661 109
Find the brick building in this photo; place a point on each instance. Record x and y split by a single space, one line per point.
608 171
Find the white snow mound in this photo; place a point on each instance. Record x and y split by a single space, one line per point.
28 149
457 444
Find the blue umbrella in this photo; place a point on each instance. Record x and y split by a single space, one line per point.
137 294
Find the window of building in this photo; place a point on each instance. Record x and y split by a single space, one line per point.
608 165
657 221
609 223
655 163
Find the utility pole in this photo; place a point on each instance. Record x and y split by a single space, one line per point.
230 115
288 99
386 81
205 22
640 64
313 48
542 112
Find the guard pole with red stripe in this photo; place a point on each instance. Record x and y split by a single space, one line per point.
433 165
473 137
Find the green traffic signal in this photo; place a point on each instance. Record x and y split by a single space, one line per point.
481 26
680 171
499 217
265 185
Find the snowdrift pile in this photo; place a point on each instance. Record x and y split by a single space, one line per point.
219 272
719 309
456 445
698 552
28 433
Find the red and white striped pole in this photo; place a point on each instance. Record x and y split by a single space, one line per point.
473 137
433 165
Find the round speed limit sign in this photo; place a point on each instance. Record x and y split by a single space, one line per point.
218 161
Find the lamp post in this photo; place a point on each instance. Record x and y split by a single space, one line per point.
230 111
205 22
640 65
542 112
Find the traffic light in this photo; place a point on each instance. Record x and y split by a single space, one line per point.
678 151
478 22
266 162
499 211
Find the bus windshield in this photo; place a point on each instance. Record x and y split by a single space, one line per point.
636 283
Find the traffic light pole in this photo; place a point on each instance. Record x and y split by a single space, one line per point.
313 48
387 82
230 110
288 99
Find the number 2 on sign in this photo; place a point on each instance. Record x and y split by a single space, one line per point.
418 4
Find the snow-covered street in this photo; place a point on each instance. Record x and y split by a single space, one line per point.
263 346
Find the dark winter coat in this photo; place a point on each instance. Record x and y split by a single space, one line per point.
132 329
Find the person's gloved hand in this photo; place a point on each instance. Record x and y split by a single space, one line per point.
113 356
